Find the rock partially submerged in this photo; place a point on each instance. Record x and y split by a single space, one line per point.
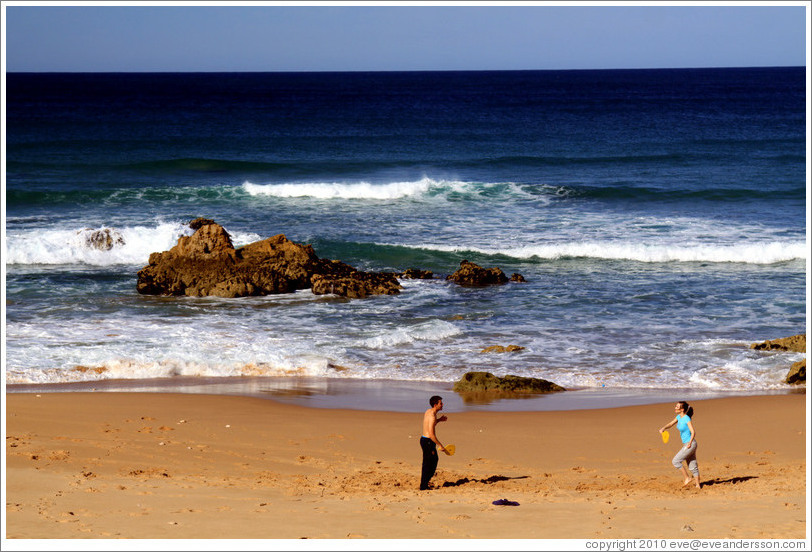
485 382
502 349
471 274
417 274
103 239
797 373
792 344
207 264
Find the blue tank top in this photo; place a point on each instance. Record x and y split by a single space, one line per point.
682 426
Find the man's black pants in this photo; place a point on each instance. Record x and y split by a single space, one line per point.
429 461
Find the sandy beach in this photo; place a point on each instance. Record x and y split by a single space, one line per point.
190 466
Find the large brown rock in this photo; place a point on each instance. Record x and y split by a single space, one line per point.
502 349
206 263
417 274
356 285
797 373
479 382
471 274
794 344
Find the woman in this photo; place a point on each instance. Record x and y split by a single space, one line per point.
688 451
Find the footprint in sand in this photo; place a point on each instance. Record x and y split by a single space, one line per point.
68 517
58 455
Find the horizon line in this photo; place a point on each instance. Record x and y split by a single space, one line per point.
683 68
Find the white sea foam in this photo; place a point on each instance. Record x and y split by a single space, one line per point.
741 374
94 348
433 330
128 245
126 369
762 253
423 187
338 190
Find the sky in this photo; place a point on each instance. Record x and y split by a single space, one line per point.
390 37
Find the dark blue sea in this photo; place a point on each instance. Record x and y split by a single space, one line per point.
658 216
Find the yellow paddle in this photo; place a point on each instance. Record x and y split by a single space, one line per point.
665 436
450 449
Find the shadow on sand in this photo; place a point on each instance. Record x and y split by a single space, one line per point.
731 481
488 481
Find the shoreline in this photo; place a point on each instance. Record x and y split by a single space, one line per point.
390 395
196 466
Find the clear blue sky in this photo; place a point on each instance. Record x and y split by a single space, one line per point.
260 37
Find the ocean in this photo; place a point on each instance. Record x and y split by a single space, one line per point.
658 216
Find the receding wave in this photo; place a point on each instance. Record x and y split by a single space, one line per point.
131 369
750 253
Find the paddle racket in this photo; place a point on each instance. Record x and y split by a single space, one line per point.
665 436
450 450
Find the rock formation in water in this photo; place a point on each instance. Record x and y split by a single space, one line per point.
792 344
207 264
471 274
104 239
485 382
502 349
797 373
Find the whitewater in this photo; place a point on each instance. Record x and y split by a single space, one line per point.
658 217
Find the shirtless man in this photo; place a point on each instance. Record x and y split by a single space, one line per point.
429 440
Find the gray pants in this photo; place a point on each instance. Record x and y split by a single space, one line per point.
687 455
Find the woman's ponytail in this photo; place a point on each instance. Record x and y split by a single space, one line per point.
689 410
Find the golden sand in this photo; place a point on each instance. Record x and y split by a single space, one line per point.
161 466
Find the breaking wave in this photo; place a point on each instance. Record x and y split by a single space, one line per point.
763 253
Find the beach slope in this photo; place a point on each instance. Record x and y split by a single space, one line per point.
156 466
